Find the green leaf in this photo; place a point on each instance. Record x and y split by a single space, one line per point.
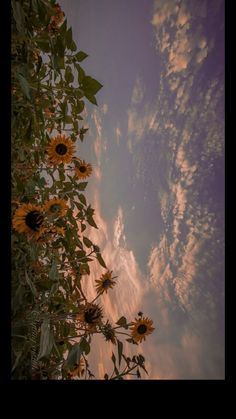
52 274
81 186
46 340
120 350
73 46
122 321
143 367
91 86
100 260
44 45
87 242
63 28
69 39
35 5
80 56
84 345
82 199
83 227
91 98
81 73
73 356
80 254
68 75
141 359
92 222
79 106
84 267
31 285
79 206
59 47
24 86
18 355
19 16
113 358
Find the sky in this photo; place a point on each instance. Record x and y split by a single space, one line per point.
156 143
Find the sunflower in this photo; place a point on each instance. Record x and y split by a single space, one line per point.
60 150
56 206
105 282
28 218
91 315
83 169
141 328
78 370
109 333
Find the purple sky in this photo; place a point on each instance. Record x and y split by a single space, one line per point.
156 142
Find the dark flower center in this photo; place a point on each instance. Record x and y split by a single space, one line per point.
106 283
34 220
61 149
82 169
55 208
142 329
91 315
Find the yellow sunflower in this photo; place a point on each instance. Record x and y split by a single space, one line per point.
105 282
56 206
83 169
60 150
28 218
78 370
141 328
91 315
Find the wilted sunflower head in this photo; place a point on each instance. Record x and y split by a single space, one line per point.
82 169
57 19
78 370
56 207
60 150
109 333
91 315
28 218
141 328
105 282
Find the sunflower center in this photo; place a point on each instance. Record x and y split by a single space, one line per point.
55 208
34 220
91 315
106 283
142 329
82 169
61 149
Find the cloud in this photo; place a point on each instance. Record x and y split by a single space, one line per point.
97 172
138 92
118 233
164 9
186 169
181 347
104 108
175 38
126 297
118 135
201 55
140 123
